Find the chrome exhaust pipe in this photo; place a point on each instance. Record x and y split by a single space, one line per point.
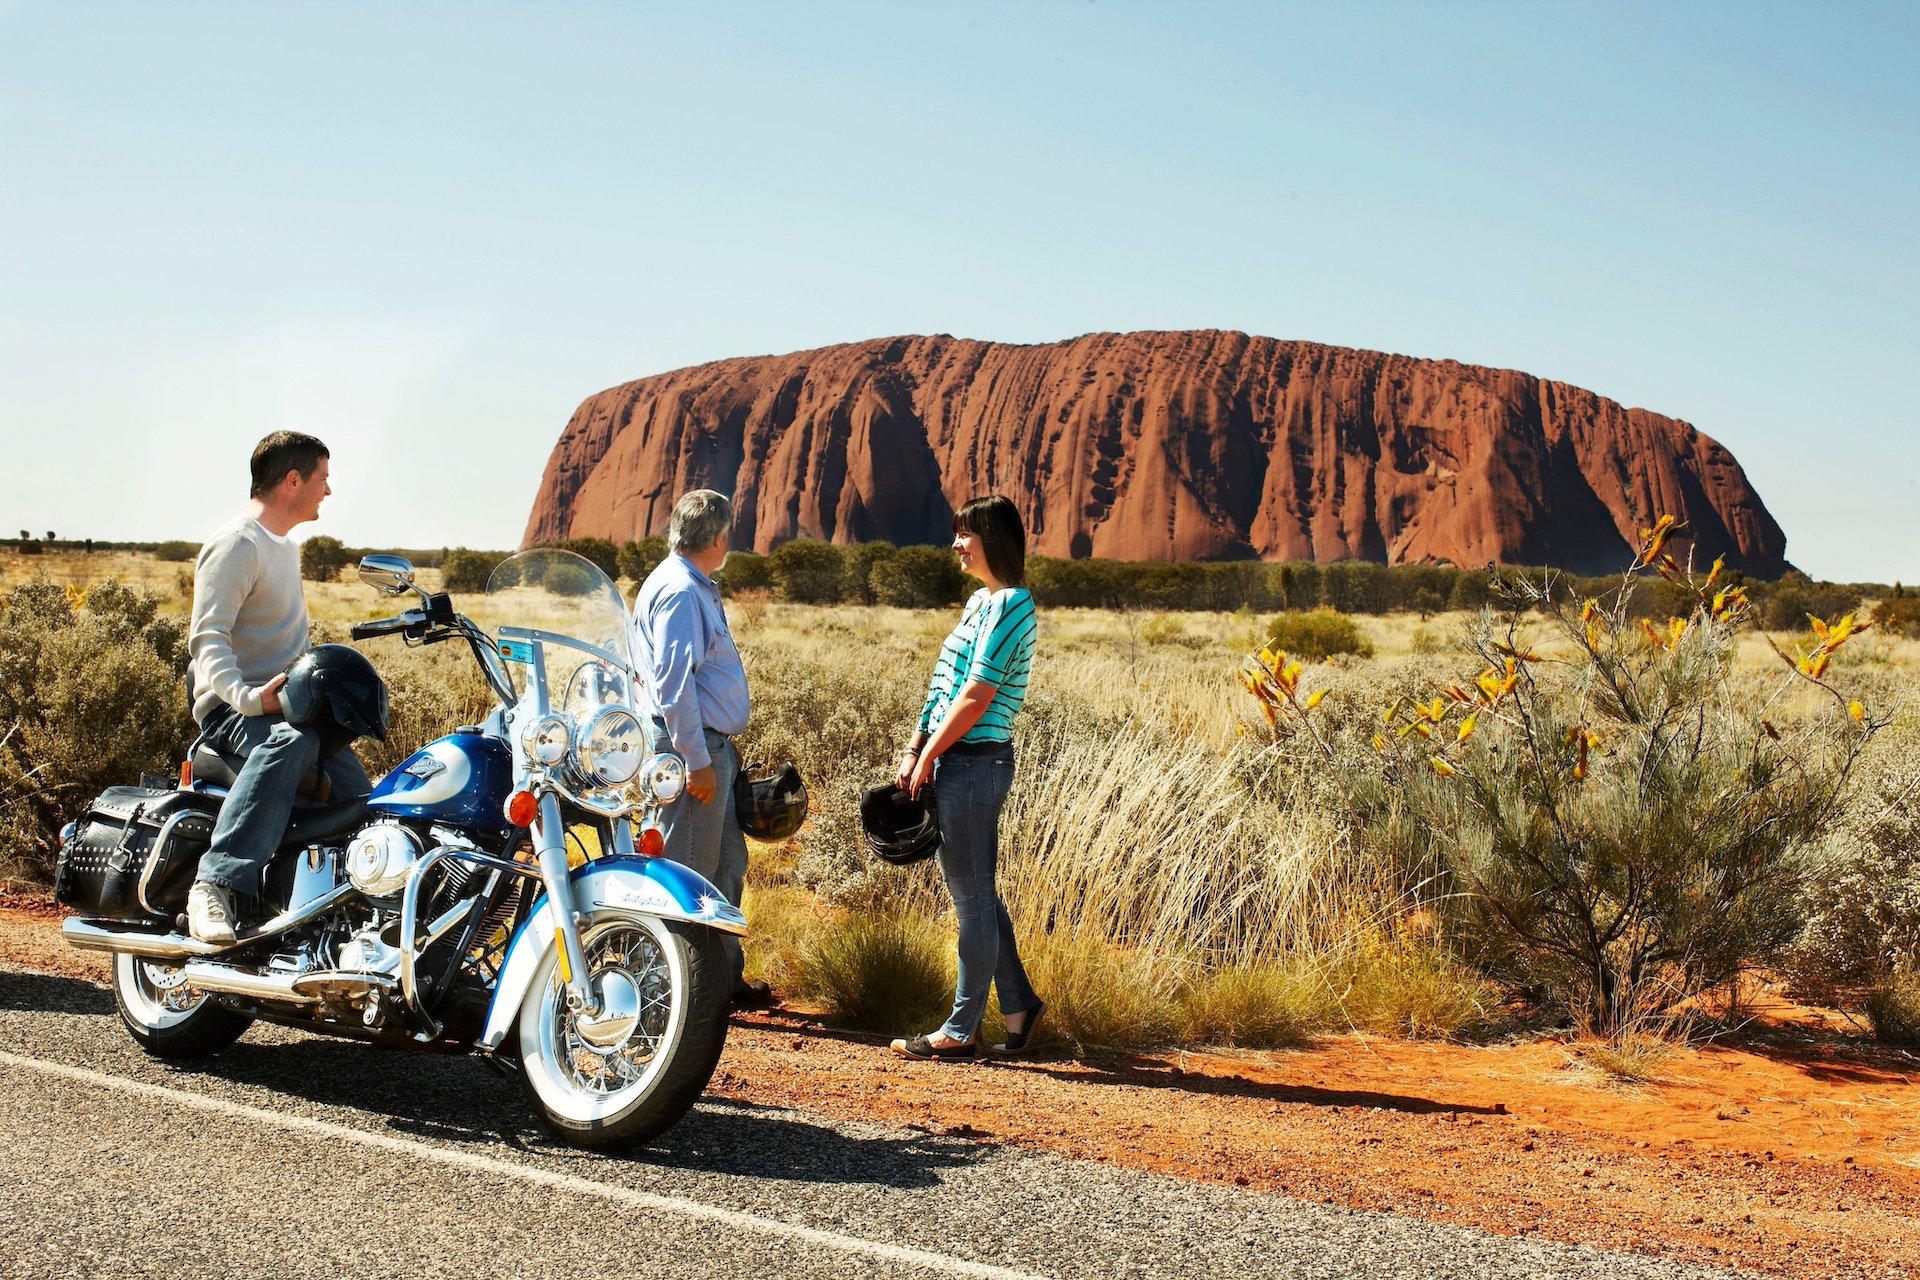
88 936
226 980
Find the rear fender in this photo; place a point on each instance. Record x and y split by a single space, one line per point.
606 888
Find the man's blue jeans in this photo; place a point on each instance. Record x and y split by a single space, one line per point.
254 815
707 837
972 790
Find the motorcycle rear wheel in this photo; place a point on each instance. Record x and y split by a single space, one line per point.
166 1017
629 1075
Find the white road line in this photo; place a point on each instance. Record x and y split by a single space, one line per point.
508 1169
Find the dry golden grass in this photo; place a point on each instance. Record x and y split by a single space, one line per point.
1157 898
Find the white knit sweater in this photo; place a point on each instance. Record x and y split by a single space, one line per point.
249 615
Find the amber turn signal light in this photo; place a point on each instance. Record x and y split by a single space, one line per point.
522 808
651 843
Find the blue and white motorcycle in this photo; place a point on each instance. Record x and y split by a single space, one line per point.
502 890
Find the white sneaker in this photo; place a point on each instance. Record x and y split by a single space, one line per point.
210 914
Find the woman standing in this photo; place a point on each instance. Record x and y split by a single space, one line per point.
964 746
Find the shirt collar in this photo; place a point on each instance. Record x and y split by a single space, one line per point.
693 571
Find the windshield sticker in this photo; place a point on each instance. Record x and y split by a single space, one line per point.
517 651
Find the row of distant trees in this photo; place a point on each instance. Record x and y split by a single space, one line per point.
805 571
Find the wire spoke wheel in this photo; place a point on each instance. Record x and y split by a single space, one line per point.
634 1065
622 960
166 1014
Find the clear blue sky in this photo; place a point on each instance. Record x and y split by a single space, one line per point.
425 232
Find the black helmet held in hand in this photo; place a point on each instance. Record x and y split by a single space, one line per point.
900 829
771 806
334 689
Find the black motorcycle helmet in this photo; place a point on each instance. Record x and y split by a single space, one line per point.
336 690
900 829
772 805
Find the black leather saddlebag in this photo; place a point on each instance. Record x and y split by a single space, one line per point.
134 854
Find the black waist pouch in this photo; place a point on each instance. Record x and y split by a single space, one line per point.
134 854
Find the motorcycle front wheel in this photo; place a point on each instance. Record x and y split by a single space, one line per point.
168 1018
630 1072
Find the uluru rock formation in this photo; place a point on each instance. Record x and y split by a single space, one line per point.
1154 446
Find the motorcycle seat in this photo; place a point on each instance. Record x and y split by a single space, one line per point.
323 823
204 764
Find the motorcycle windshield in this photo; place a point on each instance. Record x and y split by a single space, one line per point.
577 610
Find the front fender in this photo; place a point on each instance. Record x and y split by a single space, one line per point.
604 888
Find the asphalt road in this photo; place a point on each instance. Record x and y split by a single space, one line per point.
298 1155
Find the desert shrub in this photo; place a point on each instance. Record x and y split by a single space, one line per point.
1318 634
92 693
918 578
884 971
831 716
638 559
1413 988
1164 630
1862 898
1785 605
744 571
1893 1008
1899 616
322 558
468 571
176 550
805 571
858 570
1624 825
599 552
567 579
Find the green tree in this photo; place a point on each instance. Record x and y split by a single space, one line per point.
467 571
638 559
805 571
918 578
744 571
860 562
599 551
322 558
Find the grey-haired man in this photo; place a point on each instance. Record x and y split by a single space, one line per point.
686 654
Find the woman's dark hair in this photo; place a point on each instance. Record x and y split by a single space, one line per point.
997 524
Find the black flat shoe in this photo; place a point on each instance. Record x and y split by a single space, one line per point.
1017 1041
753 995
923 1049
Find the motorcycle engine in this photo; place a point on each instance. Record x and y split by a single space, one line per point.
380 856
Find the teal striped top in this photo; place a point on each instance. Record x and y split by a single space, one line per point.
994 644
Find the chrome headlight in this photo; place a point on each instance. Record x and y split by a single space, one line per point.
547 740
610 747
664 776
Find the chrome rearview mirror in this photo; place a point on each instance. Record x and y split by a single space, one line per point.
392 575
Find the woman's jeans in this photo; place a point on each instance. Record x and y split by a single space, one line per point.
971 791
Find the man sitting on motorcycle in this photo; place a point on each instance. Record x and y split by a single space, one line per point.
249 626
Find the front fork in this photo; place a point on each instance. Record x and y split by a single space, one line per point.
550 849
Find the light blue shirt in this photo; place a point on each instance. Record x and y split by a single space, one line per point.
686 655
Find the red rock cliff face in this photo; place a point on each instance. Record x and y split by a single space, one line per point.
1154 446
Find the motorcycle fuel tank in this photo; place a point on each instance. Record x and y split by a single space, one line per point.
462 779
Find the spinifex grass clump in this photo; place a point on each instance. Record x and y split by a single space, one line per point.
1622 820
